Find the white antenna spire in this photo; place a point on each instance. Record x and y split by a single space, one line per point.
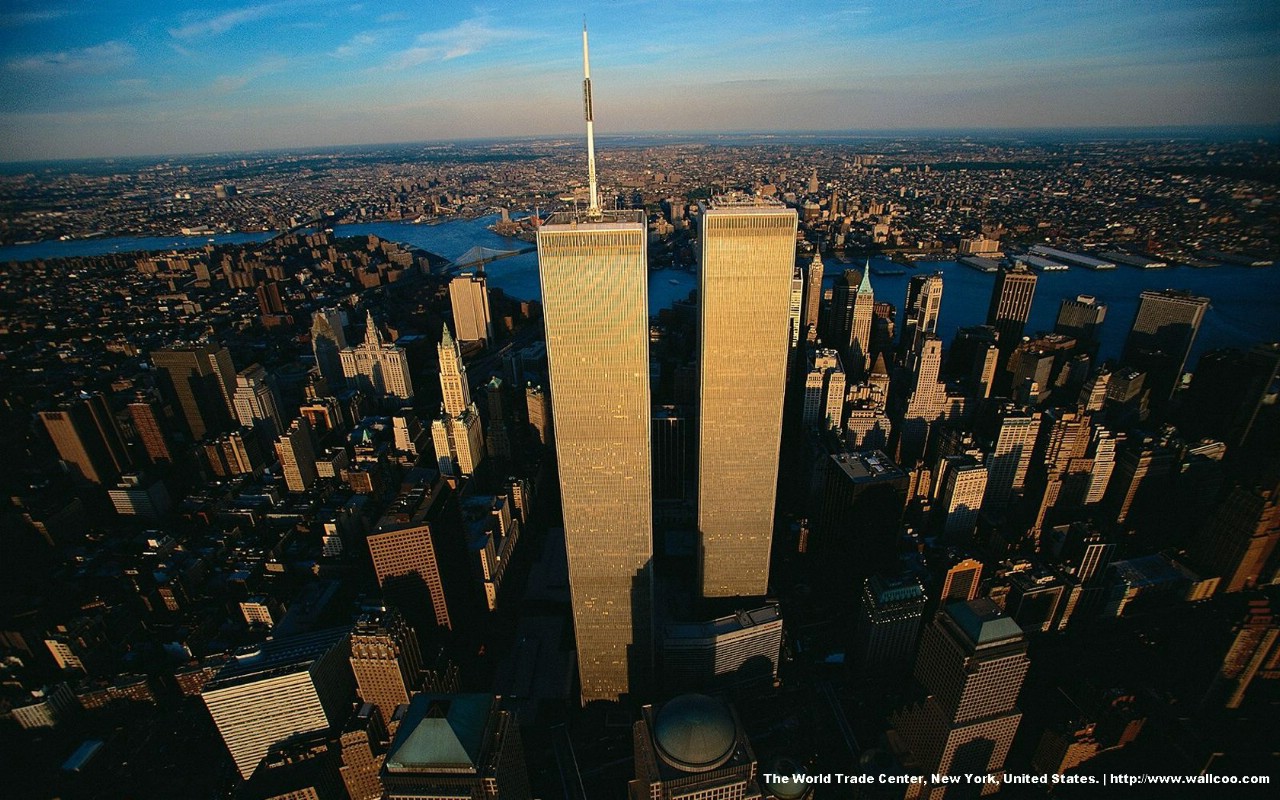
593 209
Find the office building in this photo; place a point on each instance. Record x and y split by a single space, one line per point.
1081 319
928 402
812 297
1254 653
149 424
328 340
1036 600
139 495
971 664
962 583
1241 536
87 439
824 390
747 248
694 747
739 649
456 434
1011 305
456 746
1009 456
594 272
469 297
280 689
863 496
921 308
257 402
199 379
844 292
378 369
963 486
297 456
973 357
859 346
362 751
1229 389
1142 469
1160 340
420 557
890 612
538 412
385 659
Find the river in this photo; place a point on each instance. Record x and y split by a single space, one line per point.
1245 300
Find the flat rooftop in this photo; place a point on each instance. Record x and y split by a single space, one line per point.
867 465
730 623
276 657
575 219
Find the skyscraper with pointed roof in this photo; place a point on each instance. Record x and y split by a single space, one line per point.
864 302
594 271
457 433
812 297
378 368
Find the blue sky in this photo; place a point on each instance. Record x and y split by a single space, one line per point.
136 77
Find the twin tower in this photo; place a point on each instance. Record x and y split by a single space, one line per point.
594 271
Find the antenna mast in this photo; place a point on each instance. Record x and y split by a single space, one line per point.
593 209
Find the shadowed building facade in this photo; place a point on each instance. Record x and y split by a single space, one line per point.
1161 337
972 661
200 380
748 248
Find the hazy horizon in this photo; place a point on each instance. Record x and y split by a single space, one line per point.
621 139
125 79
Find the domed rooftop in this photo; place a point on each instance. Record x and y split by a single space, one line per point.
695 733
785 767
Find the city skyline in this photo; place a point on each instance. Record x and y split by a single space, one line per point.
661 548
141 80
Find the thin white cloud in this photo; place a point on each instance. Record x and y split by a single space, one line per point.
212 26
356 45
467 37
86 60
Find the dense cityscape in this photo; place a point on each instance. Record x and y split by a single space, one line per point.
301 507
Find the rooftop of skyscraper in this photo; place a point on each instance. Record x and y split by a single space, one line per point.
867 465
276 657
441 732
983 622
744 201
741 620
581 216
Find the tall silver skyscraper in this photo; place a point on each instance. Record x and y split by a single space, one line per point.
748 252
594 270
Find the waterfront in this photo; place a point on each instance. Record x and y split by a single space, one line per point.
1245 300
